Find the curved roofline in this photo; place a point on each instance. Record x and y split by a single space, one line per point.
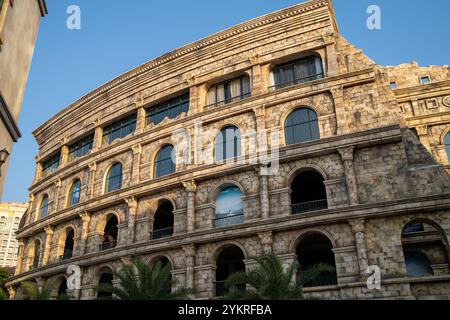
204 42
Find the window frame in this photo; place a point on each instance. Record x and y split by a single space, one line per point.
423 77
164 109
237 144
119 127
46 206
292 127
447 145
70 202
110 178
80 145
51 165
158 162
226 84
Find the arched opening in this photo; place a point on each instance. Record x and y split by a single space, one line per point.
301 126
62 291
298 71
43 208
106 279
312 250
447 145
165 162
68 244
424 250
163 225
229 207
165 262
229 261
228 144
75 193
114 178
308 192
110 234
36 254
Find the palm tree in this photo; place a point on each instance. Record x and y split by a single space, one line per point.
270 281
141 282
3 295
31 291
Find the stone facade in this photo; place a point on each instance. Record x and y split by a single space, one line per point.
378 177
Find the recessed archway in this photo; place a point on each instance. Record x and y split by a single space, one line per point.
229 261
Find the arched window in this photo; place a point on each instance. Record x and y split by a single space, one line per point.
229 261
315 249
114 178
228 144
296 72
43 208
75 193
308 192
302 125
163 225
229 207
37 254
418 264
62 291
164 164
229 91
110 234
106 279
447 145
68 244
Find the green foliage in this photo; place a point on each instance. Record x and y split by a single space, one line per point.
3 276
141 282
31 291
270 281
3 295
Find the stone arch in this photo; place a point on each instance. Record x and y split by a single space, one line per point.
294 244
433 223
218 250
229 123
151 260
443 134
63 234
111 163
290 177
155 155
104 218
99 270
69 188
218 187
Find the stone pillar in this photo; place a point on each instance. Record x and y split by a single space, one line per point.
257 80
264 191
58 184
38 172
86 219
191 190
193 106
98 137
11 292
347 155
189 252
339 105
135 174
358 230
422 131
92 171
331 56
140 116
64 154
132 203
20 257
266 239
40 283
48 243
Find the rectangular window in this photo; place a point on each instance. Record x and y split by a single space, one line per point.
230 91
296 72
170 109
119 129
50 166
393 85
425 80
81 148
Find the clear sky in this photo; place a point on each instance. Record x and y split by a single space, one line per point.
117 36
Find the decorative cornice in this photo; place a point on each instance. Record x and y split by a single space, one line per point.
215 38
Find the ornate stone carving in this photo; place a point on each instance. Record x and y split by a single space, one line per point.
137 149
266 239
446 101
347 154
93 166
357 225
49 230
190 186
132 202
85 216
254 60
260 111
189 250
329 38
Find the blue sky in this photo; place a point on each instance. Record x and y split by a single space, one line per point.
117 36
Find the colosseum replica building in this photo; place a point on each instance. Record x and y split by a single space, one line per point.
276 135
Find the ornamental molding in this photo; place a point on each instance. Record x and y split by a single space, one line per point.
446 101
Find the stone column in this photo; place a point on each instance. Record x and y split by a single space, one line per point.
11 293
48 243
193 106
86 219
40 283
191 190
266 239
257 80
58 184
347 155
264 191
358 230
20 257
98 137
135 174
92 171
189 252
331 56
422 131
132 203
339 105
64 154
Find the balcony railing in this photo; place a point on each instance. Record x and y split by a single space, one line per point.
296 81
220 290
304 207
66 255
107 245
324 279
161 233
230 220
230 100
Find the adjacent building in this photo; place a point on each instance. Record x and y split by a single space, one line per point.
10 216
356 173
19 26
